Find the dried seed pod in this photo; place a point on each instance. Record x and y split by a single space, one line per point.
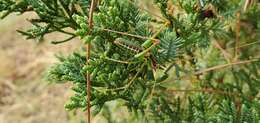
208 13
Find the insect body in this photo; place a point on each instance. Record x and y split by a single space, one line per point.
130 46
141 52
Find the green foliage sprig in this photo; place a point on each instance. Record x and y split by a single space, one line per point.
144 60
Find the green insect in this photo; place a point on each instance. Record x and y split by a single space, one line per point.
141 51
128 45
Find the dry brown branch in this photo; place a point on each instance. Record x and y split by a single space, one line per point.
237 36
225 65
208 90
226 55
88 49
128 34
205 90
214 68
244 45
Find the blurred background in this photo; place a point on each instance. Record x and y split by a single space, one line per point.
25 97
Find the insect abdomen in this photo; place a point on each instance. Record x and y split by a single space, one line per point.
123 43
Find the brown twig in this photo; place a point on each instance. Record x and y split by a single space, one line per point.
237 35
226 55
215 68
206 90
88 49
225 65
127 34
209 90
244 45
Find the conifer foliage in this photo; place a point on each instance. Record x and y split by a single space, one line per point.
194 61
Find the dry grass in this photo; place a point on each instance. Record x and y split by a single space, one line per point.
24 96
